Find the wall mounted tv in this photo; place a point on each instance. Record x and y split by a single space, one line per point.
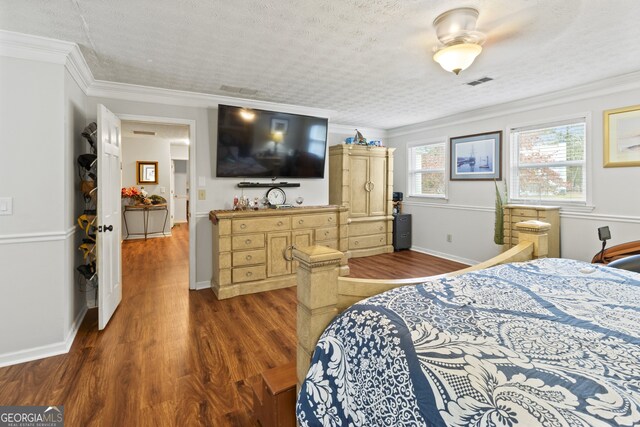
258 143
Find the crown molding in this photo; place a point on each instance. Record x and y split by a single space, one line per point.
622 83
35 48
43 49
79 69
139 93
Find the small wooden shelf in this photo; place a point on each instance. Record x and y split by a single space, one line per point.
265 185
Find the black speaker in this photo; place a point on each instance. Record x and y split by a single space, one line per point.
397 196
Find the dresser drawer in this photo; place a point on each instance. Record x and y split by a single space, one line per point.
524 212
362 242
248 274
260 224
364 228
333 244
248 257
247 241
519 218
323 234
313 221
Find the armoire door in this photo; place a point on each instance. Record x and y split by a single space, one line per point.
377 186
359 182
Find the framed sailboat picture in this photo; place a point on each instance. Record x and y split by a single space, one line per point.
476 157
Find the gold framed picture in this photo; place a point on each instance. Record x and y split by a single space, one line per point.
622 137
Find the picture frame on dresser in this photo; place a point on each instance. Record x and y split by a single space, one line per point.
622 137
476 157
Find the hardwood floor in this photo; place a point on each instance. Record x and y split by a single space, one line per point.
401 265
174 357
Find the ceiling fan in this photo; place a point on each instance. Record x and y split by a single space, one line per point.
460 42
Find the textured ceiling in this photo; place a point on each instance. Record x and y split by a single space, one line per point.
367 60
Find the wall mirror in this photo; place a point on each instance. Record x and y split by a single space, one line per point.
147 172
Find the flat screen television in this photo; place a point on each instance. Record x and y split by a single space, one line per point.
259 143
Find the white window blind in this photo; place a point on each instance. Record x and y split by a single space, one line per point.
548 162
427 168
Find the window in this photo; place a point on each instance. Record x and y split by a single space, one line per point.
427 169
548 162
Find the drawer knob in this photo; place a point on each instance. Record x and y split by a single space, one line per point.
301 221
249 274
356 243
381 239
330 219
326 233
279 224
248 257
381 228
247 242
243 226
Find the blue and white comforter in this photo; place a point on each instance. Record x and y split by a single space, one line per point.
537 343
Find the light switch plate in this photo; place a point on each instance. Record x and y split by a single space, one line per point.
6 205
202 194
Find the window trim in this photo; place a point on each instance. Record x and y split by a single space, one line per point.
410 185
578 205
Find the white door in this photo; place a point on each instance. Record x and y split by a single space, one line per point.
109 215
172 192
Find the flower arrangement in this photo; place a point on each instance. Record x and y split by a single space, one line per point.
135 194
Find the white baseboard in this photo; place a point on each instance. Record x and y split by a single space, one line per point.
203 285
445 256
41 352
149 236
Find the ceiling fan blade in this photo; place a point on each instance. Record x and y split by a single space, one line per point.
521 18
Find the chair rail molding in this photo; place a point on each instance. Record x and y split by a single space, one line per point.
44 236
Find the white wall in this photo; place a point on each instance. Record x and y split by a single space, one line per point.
179 152
147 150
468 214
40 109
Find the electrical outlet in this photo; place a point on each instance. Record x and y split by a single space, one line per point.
449 238
202 194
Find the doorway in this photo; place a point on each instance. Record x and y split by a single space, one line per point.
170 143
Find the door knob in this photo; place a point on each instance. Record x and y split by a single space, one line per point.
108 228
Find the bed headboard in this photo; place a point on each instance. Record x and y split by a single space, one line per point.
322 293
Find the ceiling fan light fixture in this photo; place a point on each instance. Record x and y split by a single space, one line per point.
457 57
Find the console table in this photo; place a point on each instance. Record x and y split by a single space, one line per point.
252 249
145 209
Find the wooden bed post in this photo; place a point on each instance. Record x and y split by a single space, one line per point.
537 233
317 299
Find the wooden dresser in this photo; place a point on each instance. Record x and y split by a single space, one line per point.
252 250
516 213
361 178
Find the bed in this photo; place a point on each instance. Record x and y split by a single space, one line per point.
543 342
